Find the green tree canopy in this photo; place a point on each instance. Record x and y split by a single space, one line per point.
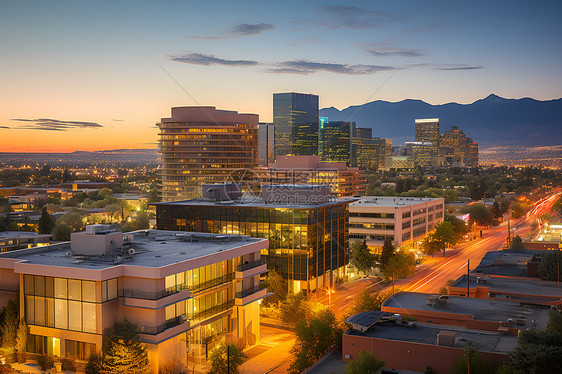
480 214
517 243
9 326
401 265
123 352
219 362
46 223
387 251
316 335
361 257
366 363
367 301
551 265
277 286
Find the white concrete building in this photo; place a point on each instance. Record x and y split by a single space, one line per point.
405 220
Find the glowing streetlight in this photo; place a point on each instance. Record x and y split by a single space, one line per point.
330 292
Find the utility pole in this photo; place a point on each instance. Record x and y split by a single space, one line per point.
393 283
508 235
468 278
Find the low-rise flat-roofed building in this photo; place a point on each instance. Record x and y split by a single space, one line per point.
406 345
403 220
344 180
183 292
530 291
399 163
499 315
12 240
306 227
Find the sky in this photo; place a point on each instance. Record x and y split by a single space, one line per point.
98 75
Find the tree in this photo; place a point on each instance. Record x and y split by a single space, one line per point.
517 243
401 265
316 335
496 211
366 363
471 363
361 257
46 222
430 245
21 340
219 362
94 364
444 235
9 326
367 301
61 232
537 352
277 286
294 308
123 352
387 251
550 265
554 321
480 214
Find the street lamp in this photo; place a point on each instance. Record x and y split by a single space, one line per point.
330 291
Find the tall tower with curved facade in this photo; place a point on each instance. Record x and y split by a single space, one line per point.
202 145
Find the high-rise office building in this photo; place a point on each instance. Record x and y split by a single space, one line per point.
295 117
201 145
384 150
424 154
266 137
335 141
427 131
456 149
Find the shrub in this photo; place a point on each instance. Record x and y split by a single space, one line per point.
46 362
68 364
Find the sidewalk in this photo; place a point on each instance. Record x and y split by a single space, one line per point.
271 354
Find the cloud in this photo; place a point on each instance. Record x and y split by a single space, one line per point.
247 29
5 127
118 120
237 31
392 52
208 60
342 16
458 67
305 67
50 124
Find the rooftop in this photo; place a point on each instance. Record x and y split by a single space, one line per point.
481 309
151 248
507 262
22 235
427 334
390 201
517 286
258 202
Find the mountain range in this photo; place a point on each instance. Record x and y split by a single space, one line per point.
490 121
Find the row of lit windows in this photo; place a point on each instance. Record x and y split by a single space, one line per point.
371 215
380 226
419 221
60 313
71 289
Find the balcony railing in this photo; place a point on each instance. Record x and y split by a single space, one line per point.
249 291
211 311
212 283
152 295
154 330
250 265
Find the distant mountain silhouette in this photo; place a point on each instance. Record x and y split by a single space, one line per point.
490 121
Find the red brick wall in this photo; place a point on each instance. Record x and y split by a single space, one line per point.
411 356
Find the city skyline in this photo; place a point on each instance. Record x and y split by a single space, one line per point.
95 76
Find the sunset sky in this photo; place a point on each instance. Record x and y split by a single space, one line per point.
96 75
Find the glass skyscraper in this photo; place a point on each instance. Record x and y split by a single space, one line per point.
295 117
427 132
335 141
